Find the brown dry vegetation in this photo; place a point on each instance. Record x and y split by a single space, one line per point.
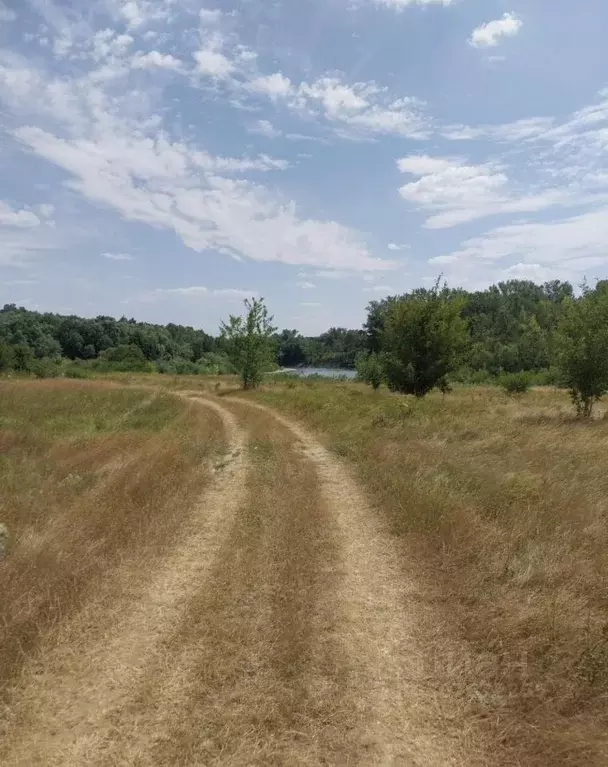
456 616
501 504
255 674
93 479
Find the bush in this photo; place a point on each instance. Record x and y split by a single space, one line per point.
77 371
126 358
422 339
583 347
177 366
548 377
370 370
45 368
516 383
7 358
23 357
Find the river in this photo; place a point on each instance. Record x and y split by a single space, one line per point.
324 372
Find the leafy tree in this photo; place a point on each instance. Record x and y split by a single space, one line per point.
7 358
290 349
422 338
248 341
583 347
123 358
370 370
22 358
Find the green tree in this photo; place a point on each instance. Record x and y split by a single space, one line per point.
290 350
23 357
123 358
7 358
583 347
369 369
423 336
248 342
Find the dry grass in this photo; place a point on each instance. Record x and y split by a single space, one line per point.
502 504
255 676
92 478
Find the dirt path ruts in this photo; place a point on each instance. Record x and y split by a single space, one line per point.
404 719
63 715
306 645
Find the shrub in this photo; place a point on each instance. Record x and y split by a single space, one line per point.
516 383
583 347
422 339
124 358
7 358
370 370
45 368
23 358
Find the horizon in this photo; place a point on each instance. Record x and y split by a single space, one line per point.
165 161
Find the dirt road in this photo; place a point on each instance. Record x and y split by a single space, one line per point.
284 629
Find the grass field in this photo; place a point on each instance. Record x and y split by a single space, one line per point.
93 478
495 512
502 502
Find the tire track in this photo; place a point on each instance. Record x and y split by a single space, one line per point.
64 713
252 675
403 718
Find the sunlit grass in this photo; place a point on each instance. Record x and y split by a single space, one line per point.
93 477
501 503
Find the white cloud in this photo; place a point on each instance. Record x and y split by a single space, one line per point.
209 17
395 246
137 13
558 242
379 289
117 153
17 218
106 43
155 60
213 63
459 192
489 35
46 210
310 303
360 108
275 86
265 128
118 256
423 165
305 285
169 185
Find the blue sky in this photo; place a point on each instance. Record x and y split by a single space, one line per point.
165 158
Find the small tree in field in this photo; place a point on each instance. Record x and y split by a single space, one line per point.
248 341
423 336
583 347
369 369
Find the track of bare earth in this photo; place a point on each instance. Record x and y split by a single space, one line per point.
285 632
400 714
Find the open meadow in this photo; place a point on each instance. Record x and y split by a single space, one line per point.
341 577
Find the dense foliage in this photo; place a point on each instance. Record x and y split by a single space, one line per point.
513 327
423 335
583 347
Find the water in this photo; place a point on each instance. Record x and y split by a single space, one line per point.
324 372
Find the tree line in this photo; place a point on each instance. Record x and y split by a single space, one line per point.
413 342
32 341
517 331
